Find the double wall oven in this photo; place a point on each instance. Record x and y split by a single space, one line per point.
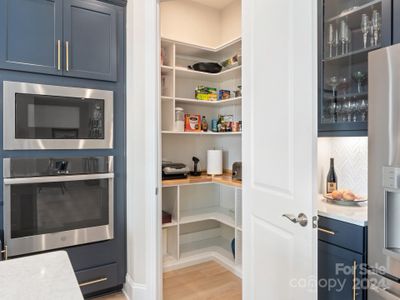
49 201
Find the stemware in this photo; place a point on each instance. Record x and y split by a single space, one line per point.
376 25
330 39
344 84
333 83
343 33
371 33
365 28
359 77
336 42
364 110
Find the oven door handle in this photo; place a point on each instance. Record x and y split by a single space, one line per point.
45 179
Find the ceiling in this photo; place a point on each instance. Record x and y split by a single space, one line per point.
218 4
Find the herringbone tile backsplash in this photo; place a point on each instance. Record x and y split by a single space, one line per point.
351 162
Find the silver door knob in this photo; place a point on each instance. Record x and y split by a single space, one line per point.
301 219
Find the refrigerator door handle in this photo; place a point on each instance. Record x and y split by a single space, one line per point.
384 293
384 274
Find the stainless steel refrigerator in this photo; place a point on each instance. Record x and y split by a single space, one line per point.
384 173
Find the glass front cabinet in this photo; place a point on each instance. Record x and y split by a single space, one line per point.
348 30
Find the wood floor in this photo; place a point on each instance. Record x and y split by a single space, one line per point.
207 281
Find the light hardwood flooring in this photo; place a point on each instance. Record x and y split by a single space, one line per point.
207 281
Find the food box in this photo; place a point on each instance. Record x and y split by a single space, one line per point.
206 93
224 94
192 122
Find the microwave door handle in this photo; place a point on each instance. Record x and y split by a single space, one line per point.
44 179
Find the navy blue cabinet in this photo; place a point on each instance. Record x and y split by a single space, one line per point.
348 31
341 260
74 38
30 35
90 40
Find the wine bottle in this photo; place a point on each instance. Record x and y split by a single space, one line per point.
331 180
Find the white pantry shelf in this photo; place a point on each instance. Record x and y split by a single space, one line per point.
223 215
231 101
171 224
225 75
202 133
218 245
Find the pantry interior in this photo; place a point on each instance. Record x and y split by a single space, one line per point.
205 211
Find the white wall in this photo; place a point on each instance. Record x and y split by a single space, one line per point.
351 162
191 22
231 22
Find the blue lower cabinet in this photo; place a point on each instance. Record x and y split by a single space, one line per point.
342 254
340 273
96 279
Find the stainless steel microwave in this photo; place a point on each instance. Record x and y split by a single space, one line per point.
38 116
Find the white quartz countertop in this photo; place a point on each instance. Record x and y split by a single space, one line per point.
46 276
357 215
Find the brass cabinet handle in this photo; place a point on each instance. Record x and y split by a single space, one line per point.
58 55
327 231
354 279
86 283
67 56
5 253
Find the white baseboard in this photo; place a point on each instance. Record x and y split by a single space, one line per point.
134 291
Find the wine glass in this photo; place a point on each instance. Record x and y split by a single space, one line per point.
333 83
376 25
330 39
371 33
336 41
364 110
365 28
343 33
359 77
344 84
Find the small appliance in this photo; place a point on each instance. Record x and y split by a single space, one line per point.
196 171
237 171
171 170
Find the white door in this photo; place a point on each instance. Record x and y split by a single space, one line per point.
279 148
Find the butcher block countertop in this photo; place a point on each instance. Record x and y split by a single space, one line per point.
204 178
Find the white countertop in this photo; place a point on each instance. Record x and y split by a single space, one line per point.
46 276
357 215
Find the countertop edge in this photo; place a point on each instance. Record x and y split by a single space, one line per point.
343 218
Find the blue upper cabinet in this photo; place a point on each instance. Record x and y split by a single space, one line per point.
74 38
31 35
348 31
90 40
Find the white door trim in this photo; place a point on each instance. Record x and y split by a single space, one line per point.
144 257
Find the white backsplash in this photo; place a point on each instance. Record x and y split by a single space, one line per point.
351 162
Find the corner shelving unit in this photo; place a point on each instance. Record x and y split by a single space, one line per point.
206 216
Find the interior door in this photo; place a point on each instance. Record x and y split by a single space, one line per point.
279 149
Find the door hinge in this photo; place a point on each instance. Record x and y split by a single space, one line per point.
315 222
156 191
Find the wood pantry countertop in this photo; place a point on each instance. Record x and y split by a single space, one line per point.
204 178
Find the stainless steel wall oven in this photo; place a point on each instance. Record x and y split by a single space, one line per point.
57 202
38 116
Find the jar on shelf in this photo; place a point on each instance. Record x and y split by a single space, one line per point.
179 119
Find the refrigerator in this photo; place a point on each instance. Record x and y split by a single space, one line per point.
384 174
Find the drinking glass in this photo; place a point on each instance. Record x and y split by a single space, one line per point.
343 33
371 33
364 110
376 25
365 28
359 77
333 83
336 41
344 84
330 39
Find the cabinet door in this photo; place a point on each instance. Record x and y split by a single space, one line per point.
348 31
90 40
31 35
336 269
